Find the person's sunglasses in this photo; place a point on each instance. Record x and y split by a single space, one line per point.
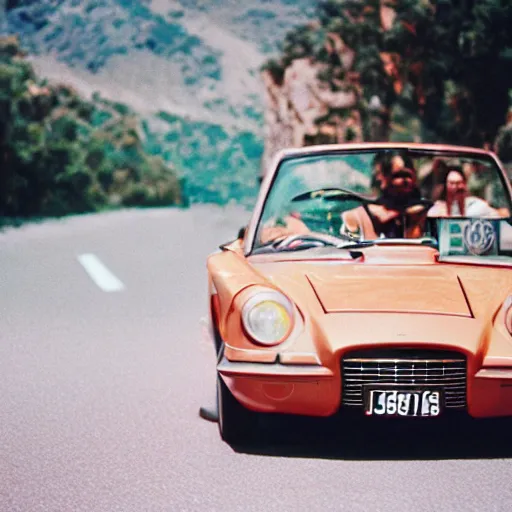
404 173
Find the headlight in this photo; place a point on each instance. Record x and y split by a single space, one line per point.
508 314
267 317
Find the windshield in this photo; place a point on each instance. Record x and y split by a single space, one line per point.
391 194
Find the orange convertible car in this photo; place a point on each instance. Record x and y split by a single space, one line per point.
372 278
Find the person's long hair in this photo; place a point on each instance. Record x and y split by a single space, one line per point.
455 168
444 192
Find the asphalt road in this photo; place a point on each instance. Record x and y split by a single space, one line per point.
102 375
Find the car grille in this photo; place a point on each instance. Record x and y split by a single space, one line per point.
404 368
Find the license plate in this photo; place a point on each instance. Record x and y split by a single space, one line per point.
425 403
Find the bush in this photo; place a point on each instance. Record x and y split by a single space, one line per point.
61 153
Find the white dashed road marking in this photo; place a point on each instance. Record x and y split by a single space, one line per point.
100 274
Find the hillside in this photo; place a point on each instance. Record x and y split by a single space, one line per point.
172 55
198 61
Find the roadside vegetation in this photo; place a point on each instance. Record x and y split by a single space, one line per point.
61 154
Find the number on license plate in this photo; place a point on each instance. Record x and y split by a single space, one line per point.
403 403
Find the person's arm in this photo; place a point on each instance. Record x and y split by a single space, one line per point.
357 224
437 210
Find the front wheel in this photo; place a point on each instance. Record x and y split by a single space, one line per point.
237 424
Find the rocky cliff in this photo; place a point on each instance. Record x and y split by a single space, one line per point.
294 107
301 107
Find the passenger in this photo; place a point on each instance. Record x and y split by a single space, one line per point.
455 200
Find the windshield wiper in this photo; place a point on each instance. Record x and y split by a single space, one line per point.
390 241
357 245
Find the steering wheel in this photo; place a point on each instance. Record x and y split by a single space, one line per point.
304 241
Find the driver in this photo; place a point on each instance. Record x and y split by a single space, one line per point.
397 212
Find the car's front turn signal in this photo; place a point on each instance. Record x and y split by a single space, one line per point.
267 317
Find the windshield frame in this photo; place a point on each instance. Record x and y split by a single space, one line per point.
344 149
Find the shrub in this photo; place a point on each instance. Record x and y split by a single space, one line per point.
61 152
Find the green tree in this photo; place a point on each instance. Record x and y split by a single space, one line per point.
453 59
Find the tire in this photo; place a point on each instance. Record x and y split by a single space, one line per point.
237 424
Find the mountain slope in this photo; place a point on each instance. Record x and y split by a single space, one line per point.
194 60
160 54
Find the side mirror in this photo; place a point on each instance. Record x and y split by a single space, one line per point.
241 234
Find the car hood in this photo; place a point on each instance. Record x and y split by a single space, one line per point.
426 287
414 290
